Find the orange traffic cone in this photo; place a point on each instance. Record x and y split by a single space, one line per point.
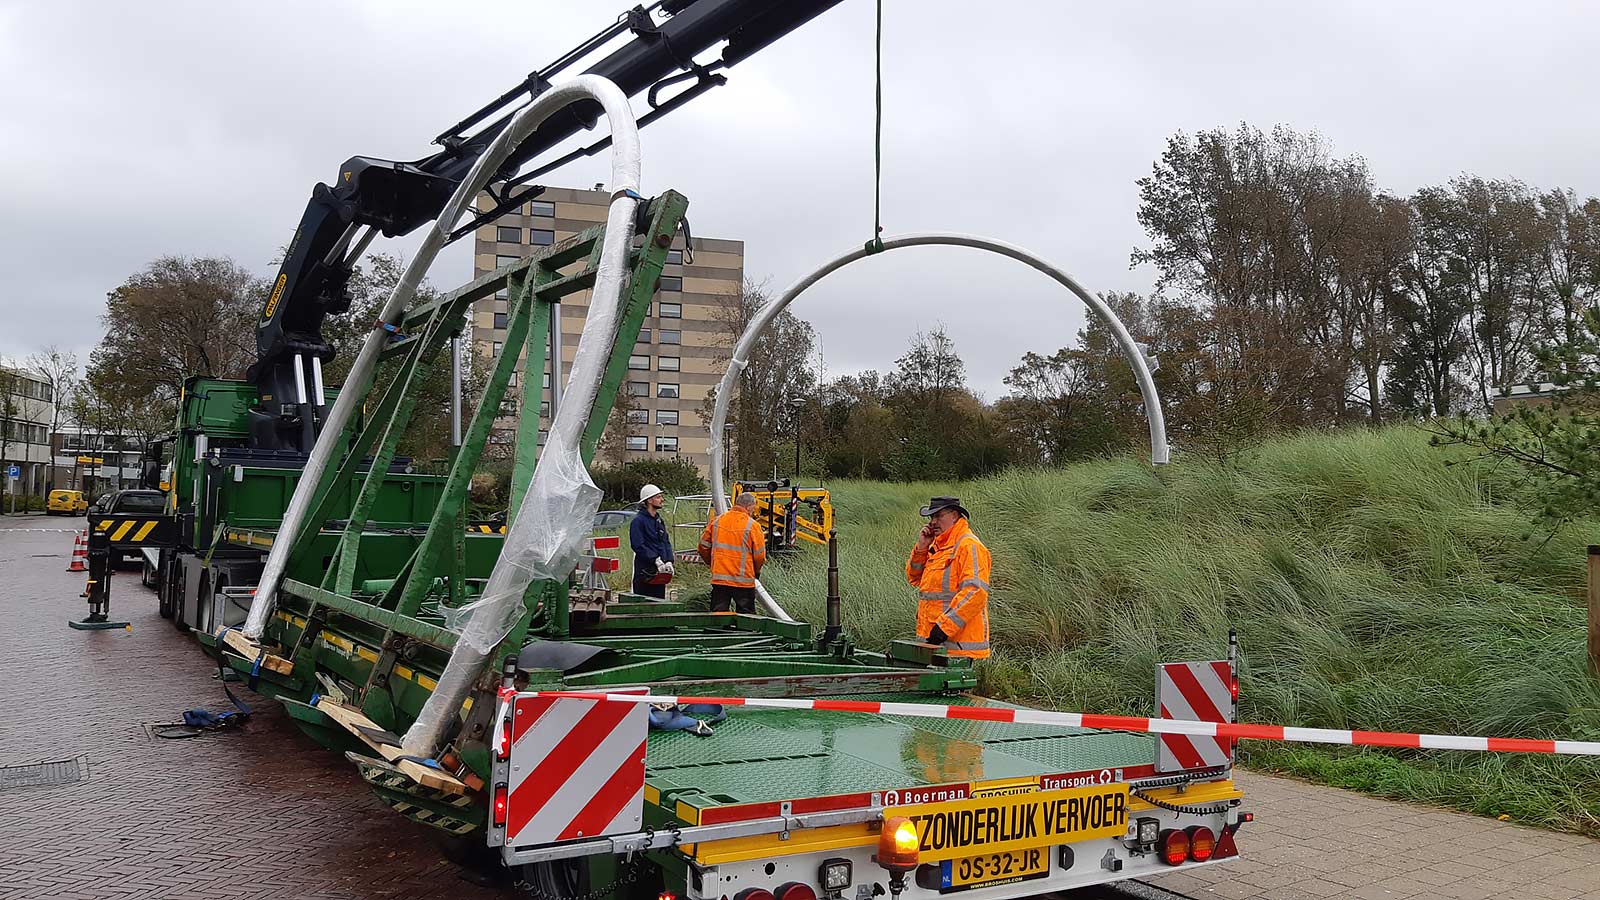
80 552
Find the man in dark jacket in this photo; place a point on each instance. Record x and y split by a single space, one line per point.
652 548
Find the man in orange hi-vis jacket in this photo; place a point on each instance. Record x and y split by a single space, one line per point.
735 548
950 567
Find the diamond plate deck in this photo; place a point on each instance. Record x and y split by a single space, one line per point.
760 755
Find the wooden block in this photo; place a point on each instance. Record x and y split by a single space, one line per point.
250 650
354 722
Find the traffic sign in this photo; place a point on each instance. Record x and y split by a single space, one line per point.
14 472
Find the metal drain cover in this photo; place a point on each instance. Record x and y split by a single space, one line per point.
45 774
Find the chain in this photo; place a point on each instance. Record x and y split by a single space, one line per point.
1181 808
631 872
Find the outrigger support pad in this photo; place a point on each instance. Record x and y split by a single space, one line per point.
92 624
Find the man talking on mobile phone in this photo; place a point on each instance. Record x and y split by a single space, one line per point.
949 566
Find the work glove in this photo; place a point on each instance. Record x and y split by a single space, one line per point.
663 566
937 636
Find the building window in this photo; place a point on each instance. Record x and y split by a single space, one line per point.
514 380
674 257
547 379
544 408
670 283
638 417
542 208
503 294
639 362
638 442
671 336
541 237
669 444
499 320
667 363
644 336
667 390
506 234
670 310
501 261
495 348
543 436
638 389
666 417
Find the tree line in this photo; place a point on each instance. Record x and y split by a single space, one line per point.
1292 292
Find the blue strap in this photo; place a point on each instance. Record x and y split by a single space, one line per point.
421 761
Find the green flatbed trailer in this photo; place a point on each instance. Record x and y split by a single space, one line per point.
361 634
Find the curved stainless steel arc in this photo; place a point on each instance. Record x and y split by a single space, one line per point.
557 512
359 381
1159 453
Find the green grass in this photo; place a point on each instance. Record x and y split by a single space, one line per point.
1373 586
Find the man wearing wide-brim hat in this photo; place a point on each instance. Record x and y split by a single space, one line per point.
949 566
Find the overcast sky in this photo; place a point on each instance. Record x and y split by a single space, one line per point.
134 130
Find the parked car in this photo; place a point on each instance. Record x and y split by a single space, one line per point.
134 501
66 503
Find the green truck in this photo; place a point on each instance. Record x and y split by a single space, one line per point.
780 802
304 555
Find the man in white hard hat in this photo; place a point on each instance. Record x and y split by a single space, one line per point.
652 548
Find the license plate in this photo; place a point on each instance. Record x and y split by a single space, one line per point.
979 827
993 868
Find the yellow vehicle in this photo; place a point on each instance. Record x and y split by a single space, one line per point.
66 503
779 508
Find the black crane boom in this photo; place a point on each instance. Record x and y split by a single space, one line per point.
394 198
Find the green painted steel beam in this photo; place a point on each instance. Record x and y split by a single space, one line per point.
798 631
526 451
442 638
441 529
665 215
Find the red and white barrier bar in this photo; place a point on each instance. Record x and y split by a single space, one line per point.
1128 723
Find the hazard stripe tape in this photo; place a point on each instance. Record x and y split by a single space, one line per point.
1127 723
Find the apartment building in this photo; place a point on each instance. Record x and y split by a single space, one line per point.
681 349
26 403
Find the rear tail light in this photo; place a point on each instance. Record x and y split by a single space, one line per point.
753 894
795 890
500 806
1202 843
502 741
1173 846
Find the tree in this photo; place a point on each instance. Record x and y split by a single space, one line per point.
778 369
1557 446
1256 229
178 317
58 369
427 436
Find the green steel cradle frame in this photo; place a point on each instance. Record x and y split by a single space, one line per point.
361 616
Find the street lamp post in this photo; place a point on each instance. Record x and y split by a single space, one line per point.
797 404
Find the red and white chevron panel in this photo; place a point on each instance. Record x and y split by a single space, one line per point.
1196 692
576 770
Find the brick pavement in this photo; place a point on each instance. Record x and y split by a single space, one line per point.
264 813
1310 841
257 813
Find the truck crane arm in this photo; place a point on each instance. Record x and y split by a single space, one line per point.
372 196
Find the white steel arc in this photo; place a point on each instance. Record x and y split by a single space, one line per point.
1159 452
625 173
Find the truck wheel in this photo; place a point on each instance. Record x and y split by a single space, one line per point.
563 879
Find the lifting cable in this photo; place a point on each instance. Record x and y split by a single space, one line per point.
876 244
